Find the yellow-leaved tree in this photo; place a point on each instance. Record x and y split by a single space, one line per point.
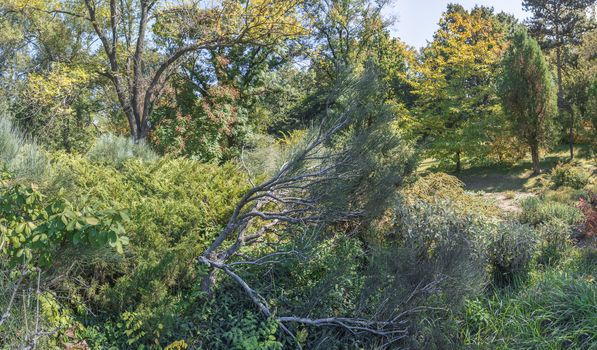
456 82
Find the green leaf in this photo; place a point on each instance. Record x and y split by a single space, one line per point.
77 237
119 248
89 220
20 228
71 226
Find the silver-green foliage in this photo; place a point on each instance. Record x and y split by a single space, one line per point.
554 240
510 251
115 150
22 158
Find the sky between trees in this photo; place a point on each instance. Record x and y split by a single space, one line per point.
416 20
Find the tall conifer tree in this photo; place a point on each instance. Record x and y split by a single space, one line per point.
528 92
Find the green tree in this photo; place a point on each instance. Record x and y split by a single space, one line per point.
579 80
528 92
344 31
557 25
348 35
215 106
139 67
456 98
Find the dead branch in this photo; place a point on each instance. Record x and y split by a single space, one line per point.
392 330
6 313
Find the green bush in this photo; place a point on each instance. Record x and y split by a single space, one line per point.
10 141
509 252
570 175
554 241
30 163
436 250
115 150
176 207
537 210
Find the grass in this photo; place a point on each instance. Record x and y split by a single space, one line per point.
555 309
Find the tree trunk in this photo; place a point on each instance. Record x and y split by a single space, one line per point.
571 135
561 91
535 158
458 163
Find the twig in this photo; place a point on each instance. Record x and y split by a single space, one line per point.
6 313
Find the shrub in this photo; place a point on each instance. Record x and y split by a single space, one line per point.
509 252
176 207
115 150
554 240
443 188
439 251
538 210
30 163
10 141
588 228
570 175
24 160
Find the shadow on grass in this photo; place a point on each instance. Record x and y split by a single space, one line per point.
519 177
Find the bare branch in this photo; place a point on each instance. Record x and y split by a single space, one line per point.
6 313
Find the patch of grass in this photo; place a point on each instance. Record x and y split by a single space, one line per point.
557 310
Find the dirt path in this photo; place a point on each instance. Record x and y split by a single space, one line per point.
508 201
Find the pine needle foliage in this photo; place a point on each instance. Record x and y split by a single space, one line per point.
529 94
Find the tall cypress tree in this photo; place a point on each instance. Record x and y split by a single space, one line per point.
528 92
557 24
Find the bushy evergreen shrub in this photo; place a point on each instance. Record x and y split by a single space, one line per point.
441 188
435 264
10 141
176 207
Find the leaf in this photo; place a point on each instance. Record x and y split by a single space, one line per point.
119 248
20 228
124 240
89 220
71 226
77 237
124 216
112 237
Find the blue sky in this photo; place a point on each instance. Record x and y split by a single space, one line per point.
416 20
